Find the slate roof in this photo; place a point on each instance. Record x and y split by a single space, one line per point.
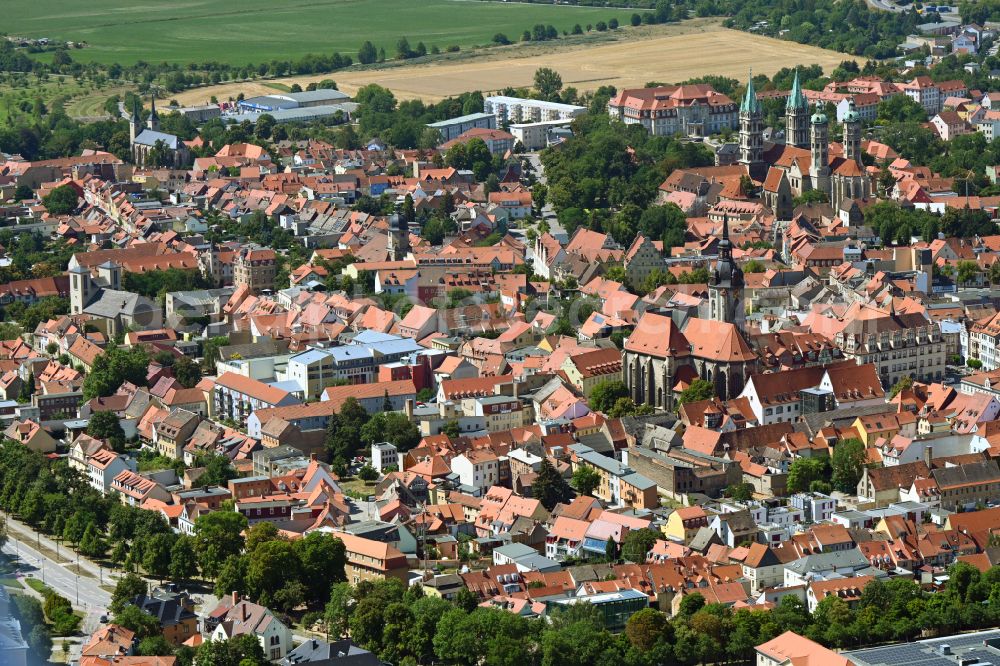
337 653
113 303
150 137
971 474
168 610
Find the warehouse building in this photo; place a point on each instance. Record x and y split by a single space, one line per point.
297 100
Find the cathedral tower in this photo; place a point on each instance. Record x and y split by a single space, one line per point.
797 117
852 134
819 169
752 131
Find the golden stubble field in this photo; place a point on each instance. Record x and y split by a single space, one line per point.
667 53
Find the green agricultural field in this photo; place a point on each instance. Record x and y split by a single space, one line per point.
245 31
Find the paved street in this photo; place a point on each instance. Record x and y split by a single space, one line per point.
83 591
363 510
885 6
93 600
536 163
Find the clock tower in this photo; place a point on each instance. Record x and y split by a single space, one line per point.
725 288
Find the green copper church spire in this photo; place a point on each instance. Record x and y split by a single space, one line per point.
750 102
796 100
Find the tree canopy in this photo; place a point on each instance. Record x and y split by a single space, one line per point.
549 487
61 200
848 462
606 393
115 366
107 425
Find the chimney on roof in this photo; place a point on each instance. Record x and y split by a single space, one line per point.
236 598
928 454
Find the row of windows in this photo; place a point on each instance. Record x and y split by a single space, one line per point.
260 512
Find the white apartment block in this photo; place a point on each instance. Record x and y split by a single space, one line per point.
510 110
384 455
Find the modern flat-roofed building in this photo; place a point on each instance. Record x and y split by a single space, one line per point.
298 114
615 608
981 647
199 114
537 135
316 369
299 100
452 128
517 110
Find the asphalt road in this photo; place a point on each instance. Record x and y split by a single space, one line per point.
885 6
92 600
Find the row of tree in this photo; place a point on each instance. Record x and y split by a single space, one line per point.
174 77
404 626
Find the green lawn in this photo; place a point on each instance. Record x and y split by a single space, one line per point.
356 488
11 582
242 31
36 585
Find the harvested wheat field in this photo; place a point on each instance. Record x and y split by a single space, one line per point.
669 54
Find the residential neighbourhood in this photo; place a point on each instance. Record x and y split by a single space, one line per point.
699 372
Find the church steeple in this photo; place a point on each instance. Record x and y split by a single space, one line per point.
750 102
134 122
725 288
153 122
725 245
399 235
797 116
752 132
796 100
